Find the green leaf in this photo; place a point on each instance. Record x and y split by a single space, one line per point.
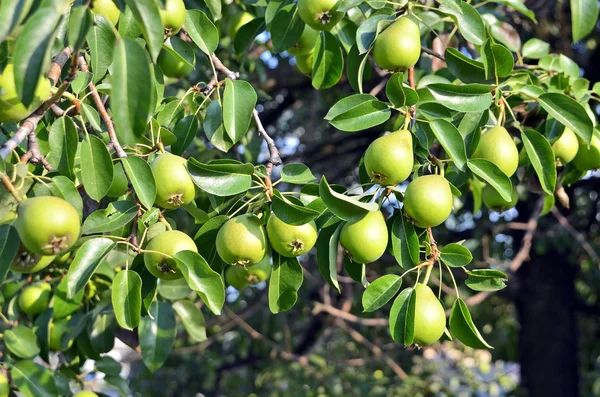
357 68
214 129
569 113
202 31
497 60
490 173
456 255
286 279
127 298
356 271
64 188
369 30
9 246
296 173
466 69
192 319
12 13
399 93
101 328
463 329
113 217
327 253
140 174
33 380
520 7
462 98
328 61
239 100
96 167
342 206
202 279
131 97
21 341
358 112
541 156
80 22
246 35
63 305
468 20
147 14
292 213
32 51
101 42
221 179
128 26
405 243
87 259
157 334
208 236
185 131
584 15
486 279
108 365
380 292
41 327
402 317
535 49
451 140
286 28
174 289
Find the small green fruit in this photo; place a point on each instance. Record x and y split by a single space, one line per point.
120 184
168 243
177 58
35 298
398 47
108 9
11 107
240 277
493 200
47 225
236 277
242 241
588 158
389 159
173 16
320 14
237 21
85 393
304 63
307 42
289 240
497 146
4 387
430 317
57 329
174 186
365 240
565 148
26 262
428 200
11 288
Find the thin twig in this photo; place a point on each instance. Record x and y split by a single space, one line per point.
564 222
527 240
103 113
370 322
10 187
30 123
433 53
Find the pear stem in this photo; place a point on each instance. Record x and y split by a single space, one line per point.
11 188
427 274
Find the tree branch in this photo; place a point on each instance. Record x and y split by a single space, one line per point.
29 125
103 113
433 53
564 222
369 322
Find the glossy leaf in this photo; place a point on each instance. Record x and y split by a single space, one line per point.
12 13
490 173
449 137
541 156
398 93
405 243
247 34
402 317
115 216
380 292
63 304
328 61
96 167
239 100
455 255
202 31
21 341
33 380
462 98
327 253
466 69
584 15
535 49
358 112
569 113
87 259
296 173
140 174
185 131
9 246
463 329
157 334
286 28
468 20
221 179
202 279
214 128
101 42
369 30
63 141
147 15
342 206
497 60
192 319
286 279
127 298
290 212
486 279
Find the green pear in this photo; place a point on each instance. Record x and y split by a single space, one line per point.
430 316
398 47
497 146
389 159
588 158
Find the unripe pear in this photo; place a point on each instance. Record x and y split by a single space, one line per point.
174 185
161 249
27 262
242 241
290 240
389 159
494 201
236 22
320 14
398 47
108 9
588 158
428 200
170 64
565 148
430 316
307 42
173 15
365 240
304 63
4 386
497 146
11 107
35 298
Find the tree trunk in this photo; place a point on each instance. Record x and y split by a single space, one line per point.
548 335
